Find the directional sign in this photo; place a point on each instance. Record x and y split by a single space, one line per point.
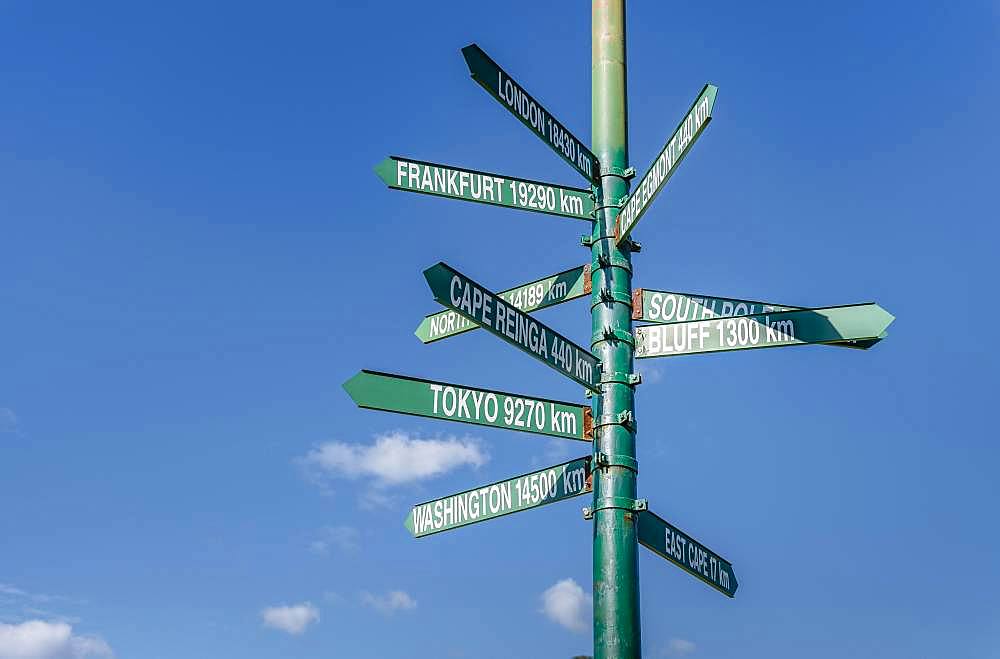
453 402
545 292
470 185
857 322
538 488
521 104
685 552
669 307
666 163
461 294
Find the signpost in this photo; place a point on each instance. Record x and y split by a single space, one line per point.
666 540
690 128
539 294
461 294
482 187
453 402
523 106
563 481
685 324
856 322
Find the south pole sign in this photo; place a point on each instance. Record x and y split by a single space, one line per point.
670 307
856 322
666 540
539 294
459 293
530 112
690 128
485 188
562 481
453 402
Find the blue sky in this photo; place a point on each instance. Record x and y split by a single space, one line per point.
195 254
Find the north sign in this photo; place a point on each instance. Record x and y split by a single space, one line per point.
523 106
861 323
690 128
538 488
482 187
453 402
459 293
545 292
666 540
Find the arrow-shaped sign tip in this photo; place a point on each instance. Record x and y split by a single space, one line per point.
470 53
408 523
352 386
384 170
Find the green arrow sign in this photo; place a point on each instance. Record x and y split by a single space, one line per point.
856 322
461 294
470 185
452 402
521 104
685 552
666 163
538 488
669 307
545 292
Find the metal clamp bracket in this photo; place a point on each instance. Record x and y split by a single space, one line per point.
633 246
619 172
605 261
625 418
622 378
606 460
612 334
608 296
621 503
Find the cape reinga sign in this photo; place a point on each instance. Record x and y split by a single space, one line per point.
539 294
538 488
459 293
452 402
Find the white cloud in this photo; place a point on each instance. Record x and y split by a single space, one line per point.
566 603
38 639
396 458
651 374
344 538
8 421
678 647
387 604
292 619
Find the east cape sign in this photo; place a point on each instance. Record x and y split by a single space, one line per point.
690 128
861 323
522 105
485 188
453 402
562 481
666 540
539 294
459 293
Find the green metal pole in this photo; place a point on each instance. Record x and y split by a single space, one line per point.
616 565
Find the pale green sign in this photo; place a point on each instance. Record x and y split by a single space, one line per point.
563 481
538 294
